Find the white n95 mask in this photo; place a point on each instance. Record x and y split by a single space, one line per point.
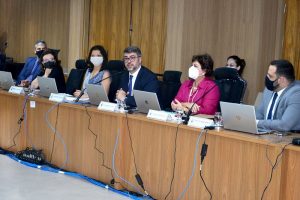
96 60
193 72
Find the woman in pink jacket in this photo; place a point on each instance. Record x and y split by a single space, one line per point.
199 94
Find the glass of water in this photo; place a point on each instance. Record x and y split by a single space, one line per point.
121 105
218 119
178 115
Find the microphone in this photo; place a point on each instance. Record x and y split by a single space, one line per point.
114 74
189 113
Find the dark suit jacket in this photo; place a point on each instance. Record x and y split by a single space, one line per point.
146 80
26 71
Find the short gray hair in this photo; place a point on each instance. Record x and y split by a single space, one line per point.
133 49
40 42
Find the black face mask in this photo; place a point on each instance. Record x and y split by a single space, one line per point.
39 53
270 84
49 64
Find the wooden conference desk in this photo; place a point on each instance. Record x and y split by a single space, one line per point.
236 166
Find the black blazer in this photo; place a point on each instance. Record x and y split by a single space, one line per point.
146 80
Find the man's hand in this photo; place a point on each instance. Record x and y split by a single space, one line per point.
24 83
121 95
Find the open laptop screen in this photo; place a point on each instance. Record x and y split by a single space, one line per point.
47 86
240 117
6 80
146 101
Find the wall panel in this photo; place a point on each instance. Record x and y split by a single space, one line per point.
30 20
249 29
291 47
109 26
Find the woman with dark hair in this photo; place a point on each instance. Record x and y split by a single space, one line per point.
51 68
199 94
237 63
97 61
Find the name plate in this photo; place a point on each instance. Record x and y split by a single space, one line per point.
107 106
199 122
158 115
57 97
16 90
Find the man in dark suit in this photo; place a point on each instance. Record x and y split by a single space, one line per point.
32 66
138 77
280 106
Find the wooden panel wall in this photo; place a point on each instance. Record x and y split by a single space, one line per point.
78 31
291 47
250 29
109 26
30 20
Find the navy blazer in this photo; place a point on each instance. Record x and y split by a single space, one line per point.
27 69
146 80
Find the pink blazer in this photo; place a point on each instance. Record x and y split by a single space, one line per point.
207 95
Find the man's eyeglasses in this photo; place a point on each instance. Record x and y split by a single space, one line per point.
130 59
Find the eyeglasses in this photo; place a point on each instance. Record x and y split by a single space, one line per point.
130 59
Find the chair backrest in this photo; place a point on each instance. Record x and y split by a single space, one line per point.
81 64
172 76
169 88
74 80
231 85
14 68
114 66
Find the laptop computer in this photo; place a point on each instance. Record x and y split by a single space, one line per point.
96 93
240 117
6 80
146 101
47 86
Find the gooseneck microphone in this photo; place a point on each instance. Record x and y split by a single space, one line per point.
114 74
186 119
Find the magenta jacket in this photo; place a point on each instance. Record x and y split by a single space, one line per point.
207 95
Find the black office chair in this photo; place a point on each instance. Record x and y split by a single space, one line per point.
74 80
168 89
114 67
81 64
14 68
231 85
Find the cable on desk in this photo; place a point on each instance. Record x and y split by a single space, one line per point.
137 175
174 164
272 170
194 166
203 154
58 134
54 137
97 149
19 122
115 171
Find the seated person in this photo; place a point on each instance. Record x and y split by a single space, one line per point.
199 94
280 106
97 60
138 77
51 69
32 67
236 63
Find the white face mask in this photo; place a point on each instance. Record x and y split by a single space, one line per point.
193 72
96 60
